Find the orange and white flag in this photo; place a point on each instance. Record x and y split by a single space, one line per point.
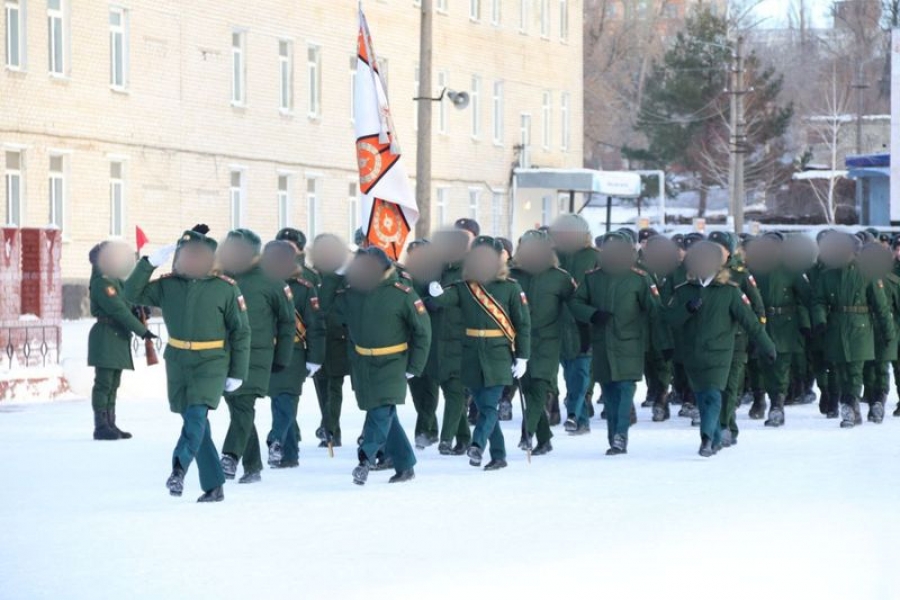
389 209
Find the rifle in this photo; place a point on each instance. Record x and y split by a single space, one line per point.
149 346
524 418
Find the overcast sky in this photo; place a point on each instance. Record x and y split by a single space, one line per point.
776 11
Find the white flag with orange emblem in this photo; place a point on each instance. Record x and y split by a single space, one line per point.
389 209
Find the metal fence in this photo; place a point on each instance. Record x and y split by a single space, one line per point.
157 327
30 345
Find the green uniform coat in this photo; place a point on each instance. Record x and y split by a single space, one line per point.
337 362
449 330
787 297
575 337
109 342
311 349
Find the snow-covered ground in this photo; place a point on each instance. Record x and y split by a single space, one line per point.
808 511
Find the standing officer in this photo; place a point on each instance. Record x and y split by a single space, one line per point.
390 335
279 263
109 342
270 311
208 348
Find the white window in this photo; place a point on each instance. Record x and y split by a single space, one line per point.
496 213
312 207
57 190
475 10
546 210
238 68
15 34
564 120
116 198
14 192
284 201
474 197
236 199
441 205
443 125
353 64
525 140
314 81
352 209
56 37
523 16
545 18
285 76
564 20
495 12
442 5
497 110
475 106
118 48
546 115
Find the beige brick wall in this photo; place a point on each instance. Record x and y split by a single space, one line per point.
179 136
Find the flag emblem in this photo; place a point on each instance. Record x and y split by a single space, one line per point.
314 302
288 292
110 291
242 303
420 307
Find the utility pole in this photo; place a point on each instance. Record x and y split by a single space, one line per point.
738 136
423 133
859 86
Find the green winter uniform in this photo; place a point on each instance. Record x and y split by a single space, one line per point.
329 381
424 388
875 372
448 339
270 311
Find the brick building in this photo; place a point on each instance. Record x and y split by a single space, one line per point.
163 113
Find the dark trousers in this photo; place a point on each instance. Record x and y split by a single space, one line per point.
710 404
285 430
536 392
850 378
382 432
455 423
424 392
196 443
487 428
618 398
330 393
242 440
106 387
733 390
577 374
778 376
875 378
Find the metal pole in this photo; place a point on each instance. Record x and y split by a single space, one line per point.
859 86
608 213
571 201
740 137
423 134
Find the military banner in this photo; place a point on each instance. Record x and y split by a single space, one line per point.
388 205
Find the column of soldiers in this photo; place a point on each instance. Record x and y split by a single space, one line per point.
710 323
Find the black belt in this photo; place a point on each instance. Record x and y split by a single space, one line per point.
107 320
781 310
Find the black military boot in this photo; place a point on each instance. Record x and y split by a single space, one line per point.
809 395
834 401
706 447
217 494
175 482
475 455
445 448
824 402
857 412
112 423
570 425
525 443
383 463
251 477
648 400
275 455
102 429
542 449
495 465
727 440
633 414
758 408
848 414
403 476
504 409
876 408
320 433
661 408
229 465
619 446
473 414
776 412
459 449
361 471
554 416
583 429
674 397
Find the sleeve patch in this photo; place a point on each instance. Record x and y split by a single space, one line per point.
420 307
314 302
524 298
881 284
752 280
242 303
654 290
288 292
111 291
745 299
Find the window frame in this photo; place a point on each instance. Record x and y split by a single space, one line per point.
9 175
313 206
475 11
475 106
284 201
353 223
286 76
546 119
120 30
114 183
564 110
21 10
239 68
474 197
545 19
56 17
443 81
441 198
496 12
57 198
237 196
497 113
314 81
564 21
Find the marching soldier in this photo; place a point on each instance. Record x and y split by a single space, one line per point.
270 312
895 248
876 263
390 335
497 342
279 263
208 348
680 383
109 342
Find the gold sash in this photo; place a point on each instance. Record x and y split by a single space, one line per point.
493 310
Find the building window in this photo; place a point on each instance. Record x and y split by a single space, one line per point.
118 48
312 207
57 190
523 16
314 81
14 192
285 76
354 62
525 140
564 120
236 198
474 197
352 209
475 10
546 210
238 68
15 34
284 201
496 213
545 18
495 12
441 205
475 106
546 107
56 37
443 125
442 5
564 20
116 198
497 110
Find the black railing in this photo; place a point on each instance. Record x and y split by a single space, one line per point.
157 327
30 345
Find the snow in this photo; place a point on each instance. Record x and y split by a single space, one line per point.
819 174
807 511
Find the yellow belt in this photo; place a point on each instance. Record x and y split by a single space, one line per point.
383 351
485 333
197 346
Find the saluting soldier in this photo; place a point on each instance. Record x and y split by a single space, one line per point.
548 290
497 342
208 350
279 263
109 342
270 312
390 335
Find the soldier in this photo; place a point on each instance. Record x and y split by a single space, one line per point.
876 263
498 340
270 311
622 305
297 239
679 376
390 336
706 309
208 348
280 264
895 248
571 236
657 369
548 289
822 369
846 307
109 342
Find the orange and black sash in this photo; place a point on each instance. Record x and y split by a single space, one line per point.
299 328
493 310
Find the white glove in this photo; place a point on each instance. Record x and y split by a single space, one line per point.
312 369
409 375
161 256
231 384
518 369
435 289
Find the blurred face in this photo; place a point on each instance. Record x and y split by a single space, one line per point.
329 254
194 261
364 273
618 256
705 260
662 256
836 250
424 264
279 261
116 260
236 256
568 241
875 261
482 265
534 255
764 255
451 245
